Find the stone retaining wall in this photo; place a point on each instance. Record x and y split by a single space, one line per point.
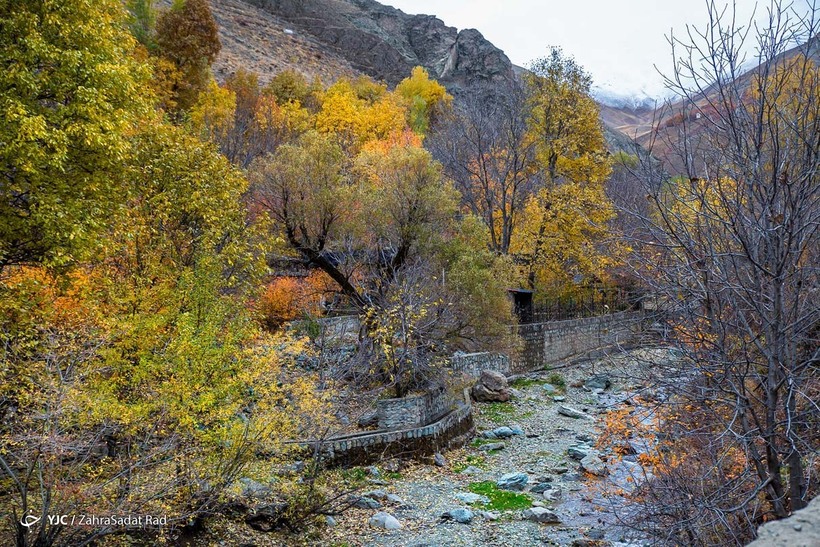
473 363
361 449
413 411
555 341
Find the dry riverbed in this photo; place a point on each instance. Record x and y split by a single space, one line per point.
541 448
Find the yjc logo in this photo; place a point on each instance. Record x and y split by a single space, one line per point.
30 520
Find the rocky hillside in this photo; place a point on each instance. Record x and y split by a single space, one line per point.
386 43
333 38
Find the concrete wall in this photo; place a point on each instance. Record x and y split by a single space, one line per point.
473 363
555 341
453 429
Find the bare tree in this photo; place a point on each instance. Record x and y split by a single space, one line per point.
731 251
484 149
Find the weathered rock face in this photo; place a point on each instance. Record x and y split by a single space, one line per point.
802 529
386 43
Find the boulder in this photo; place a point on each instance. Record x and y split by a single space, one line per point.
540 487
550 389
461 514
491 446
439 460
489 515
503 432
370 419
394 499
512 481
268 518
253 489
578 451
541 514
491 387
552 495
384 520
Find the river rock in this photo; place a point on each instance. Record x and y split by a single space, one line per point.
439 460
491 446
571 412
599 381
503 432
578 451
550 389
471 470
384 520
470 498
512 481
592 463
489 515
541 514
367 503
461 514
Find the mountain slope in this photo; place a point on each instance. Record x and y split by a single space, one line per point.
334 38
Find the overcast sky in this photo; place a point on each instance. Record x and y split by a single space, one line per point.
617 41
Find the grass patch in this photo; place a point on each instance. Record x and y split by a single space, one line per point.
478 441
355 476
500 500
557 380
519 383
498 412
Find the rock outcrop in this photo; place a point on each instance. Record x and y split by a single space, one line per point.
802 529
386 43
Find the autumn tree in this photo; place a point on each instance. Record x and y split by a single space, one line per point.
426 100
567 217
63 150
732 258
134 379
187 35
142 22
373 222
246 120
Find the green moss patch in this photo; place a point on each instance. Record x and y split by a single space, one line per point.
500 500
